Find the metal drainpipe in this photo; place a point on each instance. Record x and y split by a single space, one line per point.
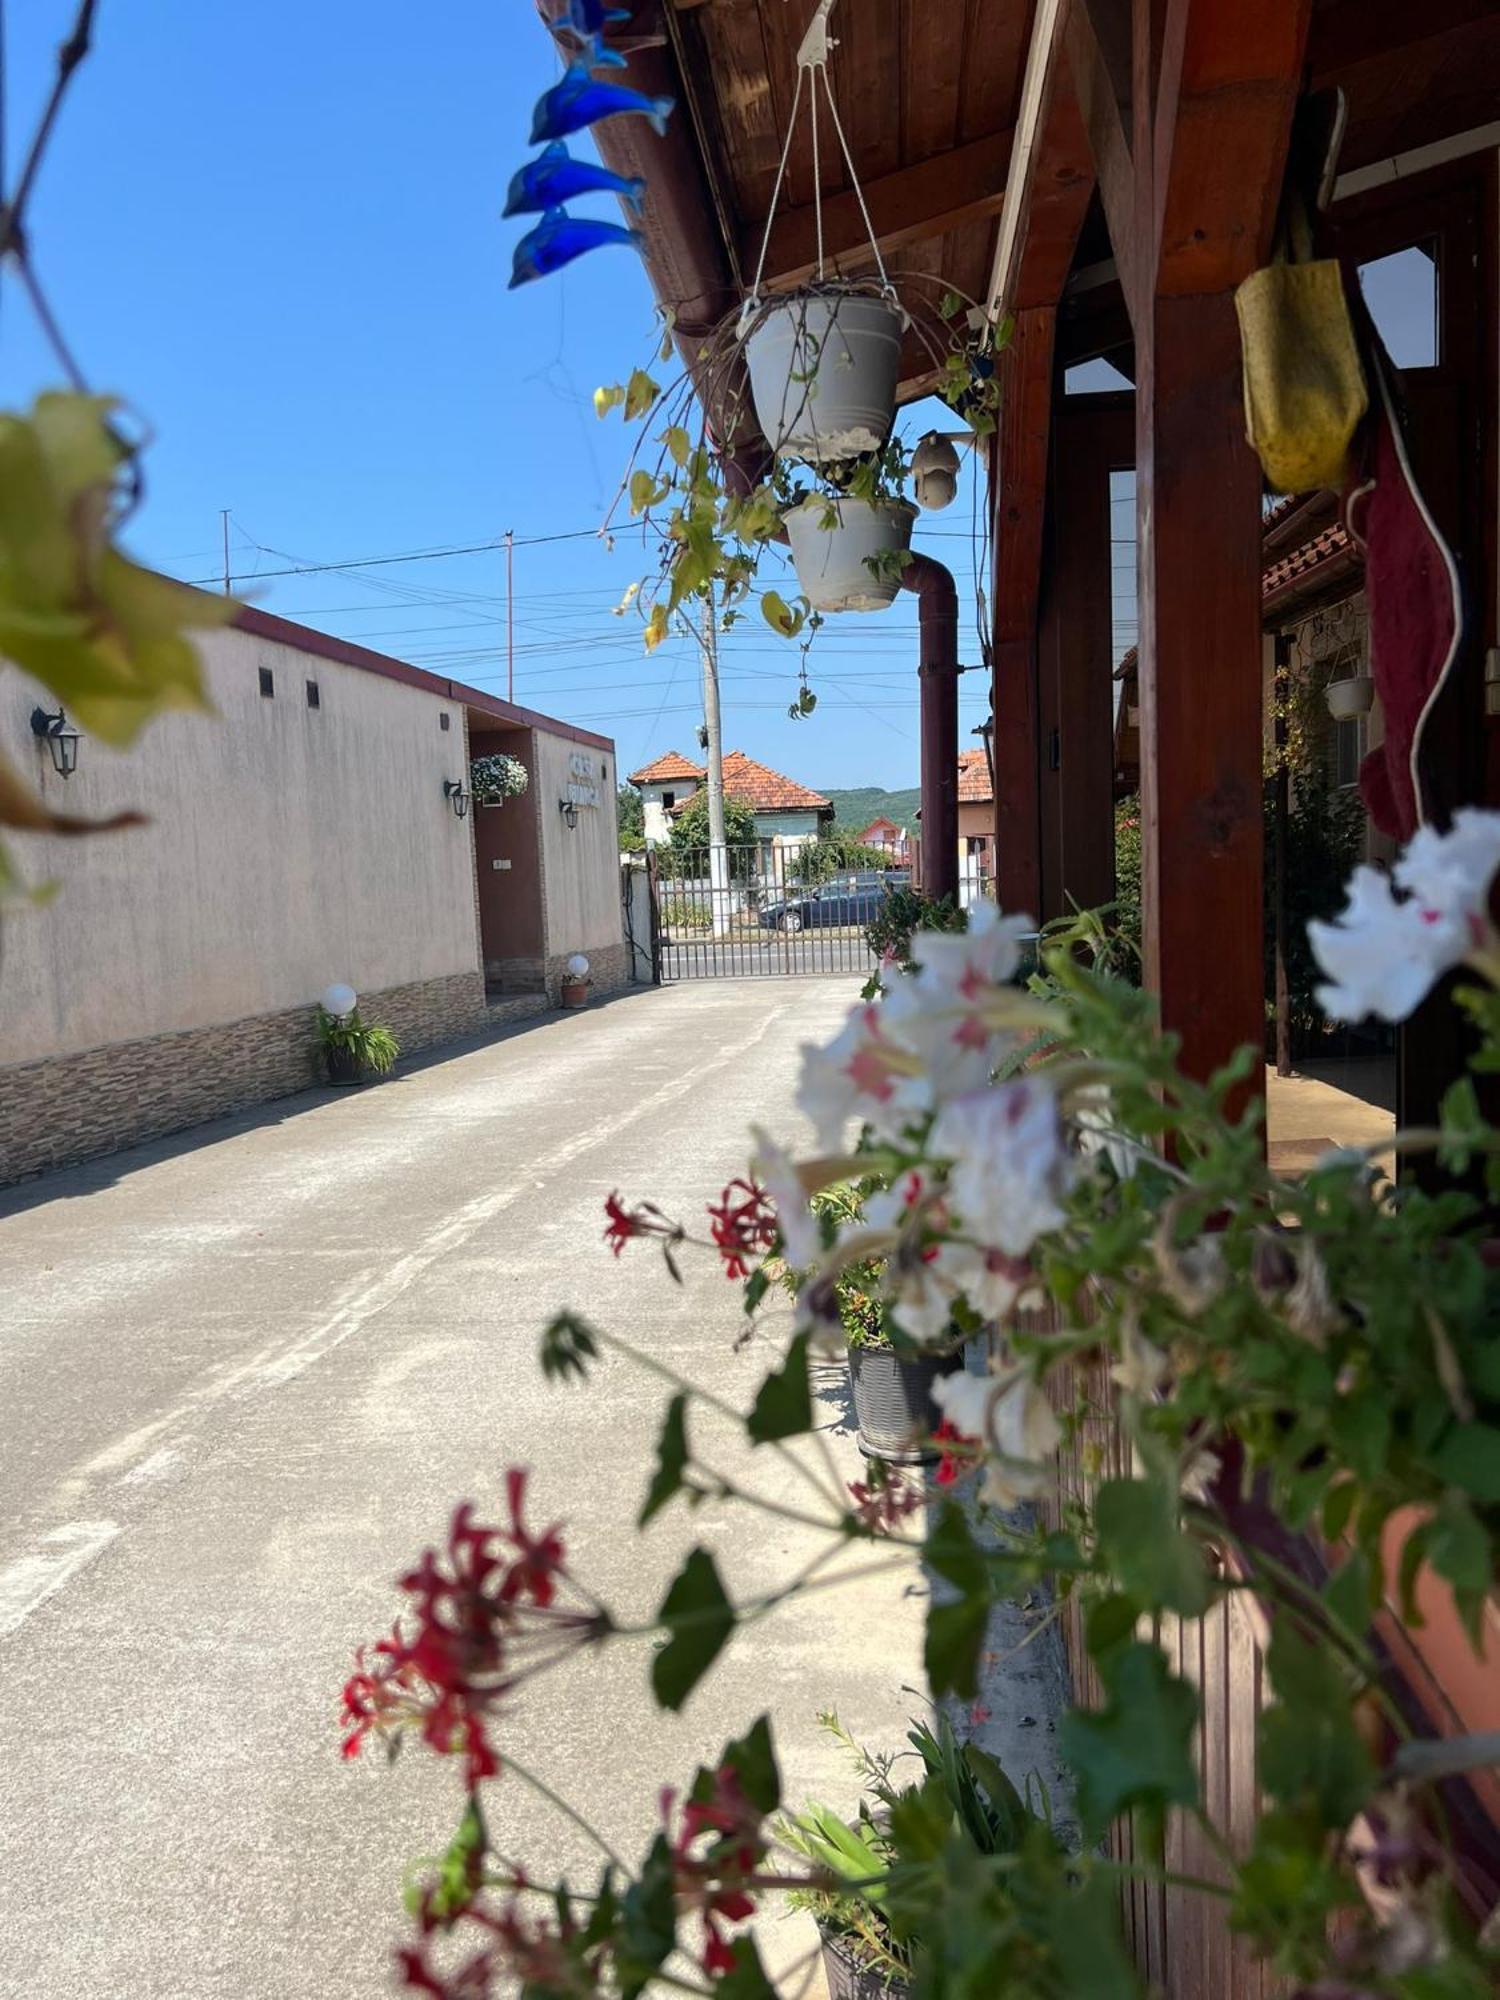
937 672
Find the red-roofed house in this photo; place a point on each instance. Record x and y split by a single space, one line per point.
891 840
787 814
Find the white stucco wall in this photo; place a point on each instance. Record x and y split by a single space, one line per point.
657 818
580 865
287 847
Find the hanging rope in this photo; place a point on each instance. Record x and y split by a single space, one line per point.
812 57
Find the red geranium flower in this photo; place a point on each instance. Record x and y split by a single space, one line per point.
744 1226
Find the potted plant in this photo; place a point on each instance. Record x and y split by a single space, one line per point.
576 981
1351 697
496 778
352 1051
824 364
891 1379
871 1927
850 524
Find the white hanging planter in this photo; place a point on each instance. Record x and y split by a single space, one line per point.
824 367
1347 699
832 561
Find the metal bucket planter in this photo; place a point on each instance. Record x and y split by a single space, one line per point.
823 373
893 1403
832 561
344 1066
849 1979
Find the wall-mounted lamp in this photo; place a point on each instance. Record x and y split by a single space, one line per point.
60 737
569 812
340 1000
457 797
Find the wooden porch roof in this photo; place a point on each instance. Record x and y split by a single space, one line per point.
931 97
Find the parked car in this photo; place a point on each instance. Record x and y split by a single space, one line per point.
849 900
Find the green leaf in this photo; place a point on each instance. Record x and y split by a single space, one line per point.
1136 1751
656 627
780 616
752 1758
1349 1594
646 490
756 1286
699 1618
1458 1548
640 393
1311 1755
954 1641
1338 1509
1082 1925
648 1920
568 1346
746 1980
459 1872
1469 1456
677 442
671 1461
1137 1524
783 1406
1463 1125
1110 1624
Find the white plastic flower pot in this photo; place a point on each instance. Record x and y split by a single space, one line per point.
833 561
823 373
1350 698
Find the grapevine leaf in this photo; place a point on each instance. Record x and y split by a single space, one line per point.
1136 1751
780 616
640 393
1150 1557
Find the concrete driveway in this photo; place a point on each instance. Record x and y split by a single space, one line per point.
243 1376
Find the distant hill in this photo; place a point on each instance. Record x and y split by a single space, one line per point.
855 808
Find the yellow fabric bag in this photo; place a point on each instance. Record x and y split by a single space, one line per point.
1304 386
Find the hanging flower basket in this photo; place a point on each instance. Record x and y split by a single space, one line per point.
847 552
496 778
1347 699
824 366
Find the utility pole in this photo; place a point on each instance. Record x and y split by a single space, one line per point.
224 524
718 853
510 616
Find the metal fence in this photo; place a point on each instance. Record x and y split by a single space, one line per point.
747 913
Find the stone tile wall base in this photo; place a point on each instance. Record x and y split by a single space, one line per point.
67 1109
609 971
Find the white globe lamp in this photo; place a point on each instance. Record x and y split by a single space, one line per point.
340 1000
578 966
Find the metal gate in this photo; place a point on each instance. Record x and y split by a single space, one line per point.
754 915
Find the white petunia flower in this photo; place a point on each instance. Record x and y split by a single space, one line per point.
862 1073
1381 956
1008 1168
991 1280
776 1171
1013 1419
968 962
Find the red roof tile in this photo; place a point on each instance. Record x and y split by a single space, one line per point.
672 765
974 786
1329 543
765 790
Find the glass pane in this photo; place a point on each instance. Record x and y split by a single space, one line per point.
1122 562
1087 378
1401 291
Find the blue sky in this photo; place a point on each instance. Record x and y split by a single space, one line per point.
277 231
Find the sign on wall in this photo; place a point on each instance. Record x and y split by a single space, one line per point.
583 787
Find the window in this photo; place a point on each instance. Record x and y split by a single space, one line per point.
443 720
669 799
267 683
1401 291
314 699
1087 378
1348 741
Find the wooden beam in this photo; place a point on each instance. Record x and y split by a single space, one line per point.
1223 119
1051 176
943 193
1020 501
1104 105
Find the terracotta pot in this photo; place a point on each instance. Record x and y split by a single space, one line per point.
575 993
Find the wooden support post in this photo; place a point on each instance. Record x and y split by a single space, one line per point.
1020 493
1198 490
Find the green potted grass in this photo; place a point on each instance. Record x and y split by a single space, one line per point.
353 1050
870 1918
